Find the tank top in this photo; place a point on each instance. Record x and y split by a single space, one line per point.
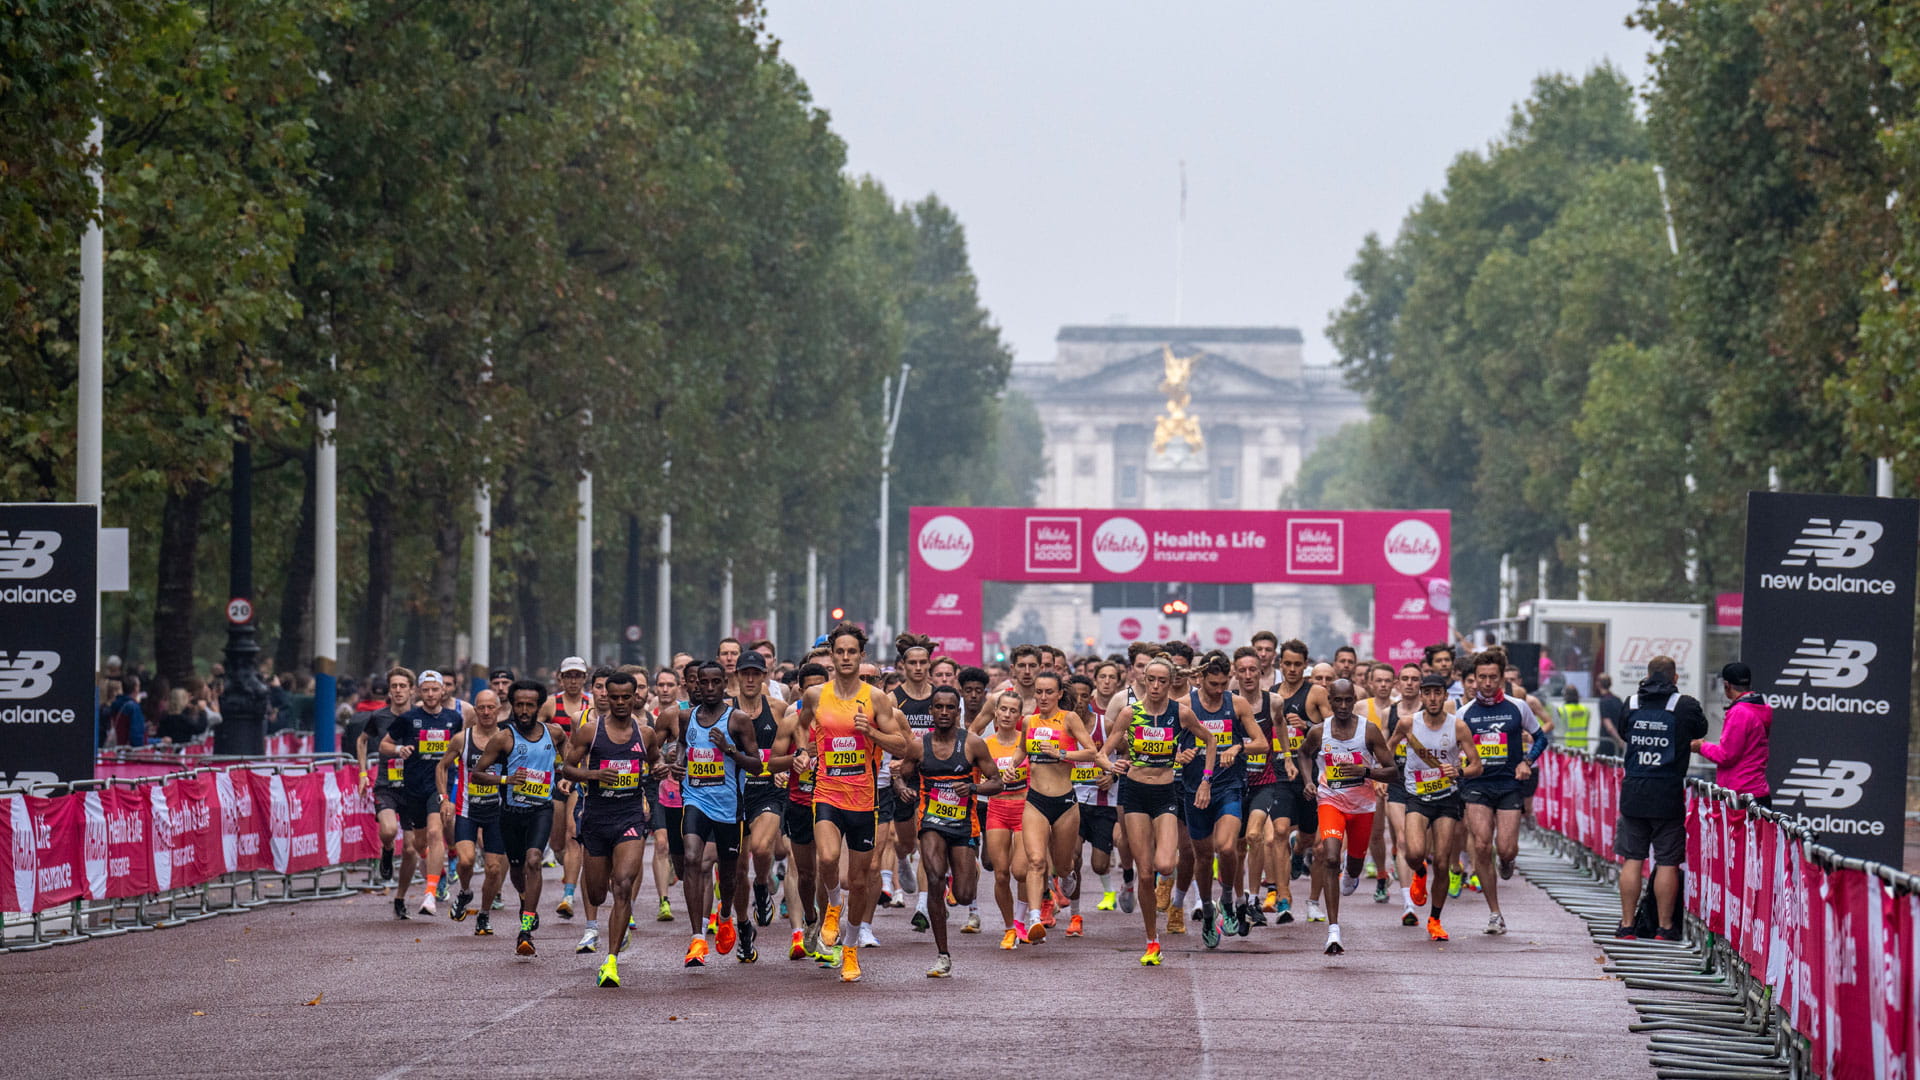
1006 755
628 760
1260 770
918 712
712 785
1343 770
533 787
1086 775
941 809
474 795
1293 714
1225 728
1047 737
1151 745
560 715
1497 731
1386 724
846 772
765 730
1423 779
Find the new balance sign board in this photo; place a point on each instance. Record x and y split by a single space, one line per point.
48 587
1827 626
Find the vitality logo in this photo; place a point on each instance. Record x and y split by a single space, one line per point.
1846 546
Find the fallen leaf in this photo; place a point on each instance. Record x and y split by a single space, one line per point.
673 1018
317 998
1543 1059
416 941
197 1012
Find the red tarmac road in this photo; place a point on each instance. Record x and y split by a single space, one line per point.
341 986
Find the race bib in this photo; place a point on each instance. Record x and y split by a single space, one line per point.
1342 767
434 740
1430 782
1043 742
705 766
1153 741
846 755
1256 760
1294 739
945 805
1087 774
394 771
765 756
625 774
478 789
534 785
1019 774
1492 746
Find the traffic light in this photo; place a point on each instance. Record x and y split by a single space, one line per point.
1175 606
838 614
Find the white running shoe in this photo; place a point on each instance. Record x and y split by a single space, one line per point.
972 925
1348 884
589 941
1126 899
1334 948
1497 924
867 940
1316 913
426 903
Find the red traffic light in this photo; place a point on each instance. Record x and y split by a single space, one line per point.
838 613
1174 607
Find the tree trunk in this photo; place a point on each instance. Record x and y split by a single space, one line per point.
173 595
294 649
443 587
370 641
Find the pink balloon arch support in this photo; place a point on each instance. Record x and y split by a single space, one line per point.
1403 554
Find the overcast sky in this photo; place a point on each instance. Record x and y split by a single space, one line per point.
1056 129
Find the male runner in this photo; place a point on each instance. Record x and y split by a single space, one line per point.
568 708
950 767
386 774
1214 825
470 802
1093 788
973 683
1265 770
1379 710
719 741
763 804
525 755
1023 666
899 803
1302 705
803 905
1347 754
663 795
1493 798
1440 754
608 757
1266 650
1346 660
418 737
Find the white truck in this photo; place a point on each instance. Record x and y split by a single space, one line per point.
1580 639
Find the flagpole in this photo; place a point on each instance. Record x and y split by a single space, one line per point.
1180 246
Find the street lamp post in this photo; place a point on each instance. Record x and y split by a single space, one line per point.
890 402
243 702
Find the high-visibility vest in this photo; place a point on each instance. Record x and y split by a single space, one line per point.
1575 726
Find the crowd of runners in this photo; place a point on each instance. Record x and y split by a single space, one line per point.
1206 793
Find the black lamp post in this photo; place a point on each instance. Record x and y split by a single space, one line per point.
243 702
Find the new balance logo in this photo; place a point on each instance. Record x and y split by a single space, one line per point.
27 675
1835 787
1839 666
946 601
1845 546
1413 605
28 555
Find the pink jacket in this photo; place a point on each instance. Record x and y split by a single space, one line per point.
1741 752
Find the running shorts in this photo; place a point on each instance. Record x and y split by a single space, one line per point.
483 831
891 807
1507 799
1053 806
1005 814
1532 784
1152 800
1356 829
723 835
525 830
1096 826
416 809
1397 793
950 837
1263 799
799 824
1434 809
604 828
386 798
857 827
772 800
1229 801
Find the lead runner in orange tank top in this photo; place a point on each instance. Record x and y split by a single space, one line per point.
1053 740
846 726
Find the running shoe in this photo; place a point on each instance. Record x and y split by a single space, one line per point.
1417 892
810 937
829 956
850 966
1348 885
426 904
762 904
1409 917
1454 881
909 884
1163 894
886 899
1506 869
1283 913
523 944
1126 900
1316 913
1299 868
1334 948
696 953
461 904
1435 931
798 950
1474 883
499 902
440 891
1108 901
1176 921
951 902
972 925
1369 870
1036 932
564 909
589 941
1230 920
1674 934
1496 923
899 899
724 936
1209 930
746 953
1379 890
400 908
920 922
1010 940
1151 958
1625 933
866 940
551 861
1074 928
1271 902
1046 910
386 864
482 925
666 911
1250 917
713 922
942 968
830 926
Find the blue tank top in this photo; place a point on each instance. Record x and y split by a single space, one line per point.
1226 732
712 785
534 787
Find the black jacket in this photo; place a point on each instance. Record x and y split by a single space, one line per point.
1659 749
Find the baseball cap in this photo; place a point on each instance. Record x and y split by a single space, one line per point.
819 641
1737 673
751 661
430 677
1436 681
500 673
573 663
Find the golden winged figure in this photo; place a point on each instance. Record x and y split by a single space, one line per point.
1177 423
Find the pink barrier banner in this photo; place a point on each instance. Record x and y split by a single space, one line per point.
45 848
119 851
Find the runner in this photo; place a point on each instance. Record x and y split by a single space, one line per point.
386 775
913 658
1346 661
568 708
844 720
763 803
1213 824
1346 754
1023 664
471 800
1493 798
1054 740
418 737
1093 787
1441 755
527 749
1005 814
949 766
973 683
1265 771
1407 705
719 742
803 904
1302 705
1148 797
663 796
609 757
1378 708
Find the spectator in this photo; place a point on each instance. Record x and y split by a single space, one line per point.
1661 726
1576 720
280 697
121 722
183 721
1741 753
1612 711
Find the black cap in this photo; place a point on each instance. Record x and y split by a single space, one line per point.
500 673
1436 681
751 660
1737 673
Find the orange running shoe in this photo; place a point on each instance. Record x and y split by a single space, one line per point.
697 953
1046 910
724 936
1010 939
830 926
850 964
1418 890
1435 931
798 950
1073 926
1036 933
1272 901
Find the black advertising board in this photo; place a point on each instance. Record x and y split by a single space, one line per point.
49 582
1828 631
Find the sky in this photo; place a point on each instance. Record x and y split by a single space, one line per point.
1056 129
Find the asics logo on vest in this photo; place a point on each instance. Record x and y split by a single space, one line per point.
1840 666
28 555
1846 546
1834 786
27 675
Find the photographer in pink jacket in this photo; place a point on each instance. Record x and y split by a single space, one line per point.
1741 753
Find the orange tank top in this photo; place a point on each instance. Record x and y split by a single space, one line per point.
1007 755
845 773
1047 736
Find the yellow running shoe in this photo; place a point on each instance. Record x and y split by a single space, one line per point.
1272 902
1108 901
609 972
1010 940
1151 958
798 950
850 964
1176 920
830 926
